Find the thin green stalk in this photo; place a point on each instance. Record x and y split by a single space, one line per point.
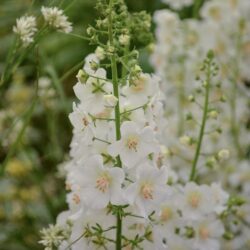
196 8
125 68
203 125
234 125
58 86
117 117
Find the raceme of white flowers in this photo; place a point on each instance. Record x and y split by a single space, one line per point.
26 27
156 206
176 57
141 178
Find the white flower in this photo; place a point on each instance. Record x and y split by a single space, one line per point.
135 144
26 28
101 184
195 201
141 89
56 19
208 232
91 94
219 197
149 188
79 118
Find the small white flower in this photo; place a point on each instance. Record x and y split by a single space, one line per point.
101 184
195 201
26 28
79 118
208 232
56 19
149 188
135 144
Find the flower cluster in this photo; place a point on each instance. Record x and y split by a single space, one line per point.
122 192
26 27
56 19
176 58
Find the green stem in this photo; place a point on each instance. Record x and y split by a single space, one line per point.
233 100
196 8
117 116
202 128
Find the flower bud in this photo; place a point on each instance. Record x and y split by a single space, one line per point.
110 101
100 53
213 114
124 39
191 98
82 76
185 140
223 154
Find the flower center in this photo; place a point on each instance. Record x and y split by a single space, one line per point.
147 191
194 199
138 85
85 121
103 183
204 233
166 214
132 142
76 198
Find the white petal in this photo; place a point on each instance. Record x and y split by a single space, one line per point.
131 193
129 127
115 148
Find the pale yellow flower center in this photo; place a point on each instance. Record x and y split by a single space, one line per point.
166 214
76 198
85 121
215 13
204 233
147 191
139 84
132 142
194 199
103 182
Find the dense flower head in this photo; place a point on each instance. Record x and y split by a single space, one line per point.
26 28
55 18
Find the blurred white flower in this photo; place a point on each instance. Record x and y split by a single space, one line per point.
26 29
56 19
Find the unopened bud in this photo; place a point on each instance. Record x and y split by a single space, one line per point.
191 98
223 154
82 76
124 39
185 140
213 114
110 101
100 53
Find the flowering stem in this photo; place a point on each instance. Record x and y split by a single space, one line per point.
233 101
117 115
203 124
